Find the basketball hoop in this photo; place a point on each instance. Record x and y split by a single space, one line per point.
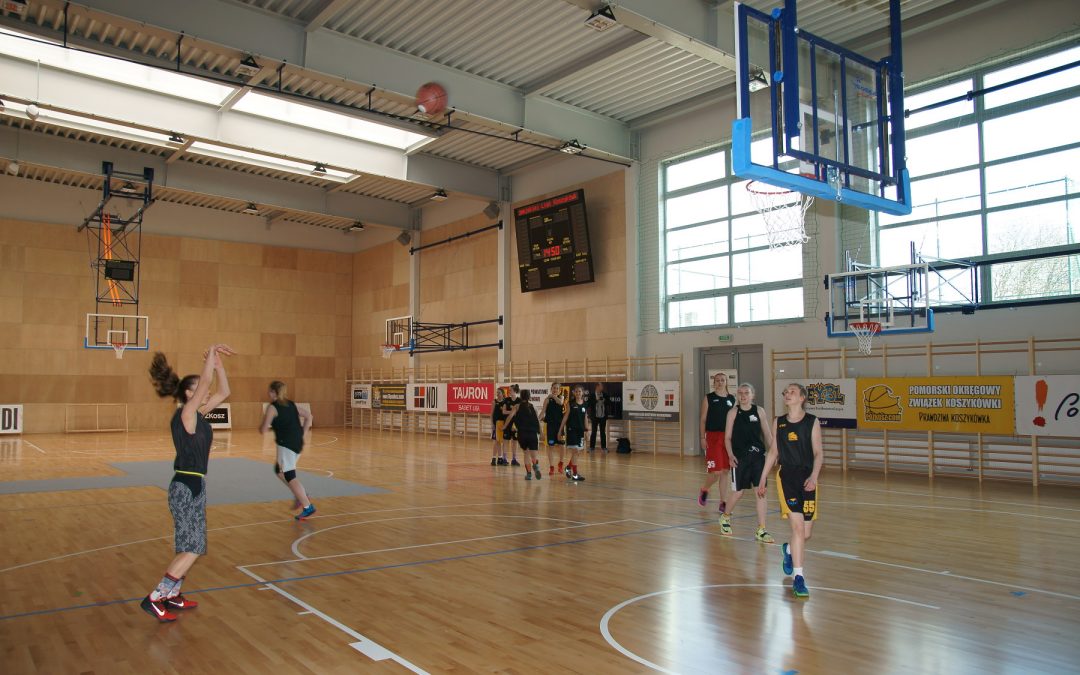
118 346
783 211
865 331
388 350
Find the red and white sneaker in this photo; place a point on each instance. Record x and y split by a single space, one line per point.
157 610
180 602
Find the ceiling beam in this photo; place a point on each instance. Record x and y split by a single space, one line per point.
327 12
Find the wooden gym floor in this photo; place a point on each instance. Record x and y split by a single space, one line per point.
463 567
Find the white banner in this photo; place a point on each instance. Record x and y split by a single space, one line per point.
1048 405
360 396
11 419
538 391
425 397
220 417
651 400
834 402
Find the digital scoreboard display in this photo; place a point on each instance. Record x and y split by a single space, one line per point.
553 243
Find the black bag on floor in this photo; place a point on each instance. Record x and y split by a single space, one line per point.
623 446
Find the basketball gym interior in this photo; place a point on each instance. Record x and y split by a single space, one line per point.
397 208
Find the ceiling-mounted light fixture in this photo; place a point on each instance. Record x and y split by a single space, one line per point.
356 227
758 80
13 168
601 19
251 209
572 147
248 66
440 196
32 111
177 139
319 170
128 188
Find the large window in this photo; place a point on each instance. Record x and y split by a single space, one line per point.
718 267
996 174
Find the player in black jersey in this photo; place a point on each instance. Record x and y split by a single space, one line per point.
290 424
524 418
797 449
553 417
575 424
714 409
748 437
498 417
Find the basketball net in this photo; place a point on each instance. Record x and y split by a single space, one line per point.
388 350
118 346
784 213
865 332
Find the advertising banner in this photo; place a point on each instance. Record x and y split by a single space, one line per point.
388 396
360 395
11 419
948 404
425 397
1048 405
657 401
470 397
831 401
220 417
538 391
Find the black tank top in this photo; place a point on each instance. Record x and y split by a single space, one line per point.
288 432
716 415
553 412
497 412
192 450
525 419
746 430
578 411
793 441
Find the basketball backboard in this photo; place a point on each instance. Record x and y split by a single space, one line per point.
118 332
399 333
816 117
895 297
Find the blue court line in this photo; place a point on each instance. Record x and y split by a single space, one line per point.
378 568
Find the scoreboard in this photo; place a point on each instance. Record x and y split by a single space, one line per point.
553 243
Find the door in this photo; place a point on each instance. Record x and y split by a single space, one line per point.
743 363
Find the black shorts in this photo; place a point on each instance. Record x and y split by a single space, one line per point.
553 433
575 438
528 440
748 471
793 498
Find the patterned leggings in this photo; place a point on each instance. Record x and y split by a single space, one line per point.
189 517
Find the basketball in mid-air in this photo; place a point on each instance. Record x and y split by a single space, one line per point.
431 98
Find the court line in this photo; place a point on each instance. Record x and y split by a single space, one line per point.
610 639
957 508
935 496
856 558
33 446
300 556
364 644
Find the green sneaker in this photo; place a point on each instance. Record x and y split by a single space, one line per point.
764 537
798 587
725 524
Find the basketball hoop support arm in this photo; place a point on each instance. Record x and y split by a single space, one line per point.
417 249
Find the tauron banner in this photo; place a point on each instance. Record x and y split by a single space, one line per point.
388 396
426 397
470 397
1048 405
651 400
360 395
831 401
948 404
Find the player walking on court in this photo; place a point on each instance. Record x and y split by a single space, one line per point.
714 409
553 417
528 428
192 437
509 405
498 417
748 437
290 424
575 425
797 448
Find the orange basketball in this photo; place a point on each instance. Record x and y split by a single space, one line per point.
431 98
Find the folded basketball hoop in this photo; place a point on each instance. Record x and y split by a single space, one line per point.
783 211
388 350
865 331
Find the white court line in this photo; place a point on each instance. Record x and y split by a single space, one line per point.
33 446
956 508
934 496
606 620
364 645
848 556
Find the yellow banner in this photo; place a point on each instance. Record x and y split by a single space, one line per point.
952 404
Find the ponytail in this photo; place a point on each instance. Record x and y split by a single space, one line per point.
165 380
279 388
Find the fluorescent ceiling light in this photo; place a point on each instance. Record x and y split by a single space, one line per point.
260 159
324 120
89 124
112 69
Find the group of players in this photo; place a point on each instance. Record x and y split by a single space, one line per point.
738 438
513 417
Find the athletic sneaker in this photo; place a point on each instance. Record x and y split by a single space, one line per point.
528 476
764 537
306 513
157 610
789 566
494 461
798 587
578 477
569 472
536 471
725 523
513 462
178 601
702 498
503 462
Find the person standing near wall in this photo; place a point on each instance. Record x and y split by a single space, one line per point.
192 437
598 411
748 437
575 425
714 411
797 448
290 424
